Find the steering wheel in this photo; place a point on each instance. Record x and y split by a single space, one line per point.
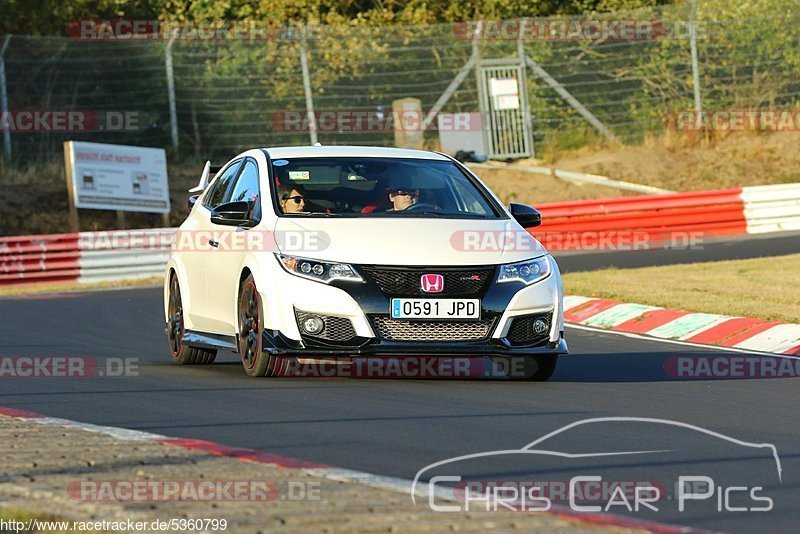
420 206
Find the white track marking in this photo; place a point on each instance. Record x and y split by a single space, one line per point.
676 342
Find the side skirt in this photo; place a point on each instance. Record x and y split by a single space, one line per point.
205 340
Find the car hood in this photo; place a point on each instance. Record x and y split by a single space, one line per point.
411 241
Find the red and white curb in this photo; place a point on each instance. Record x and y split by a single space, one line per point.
699 328
338 474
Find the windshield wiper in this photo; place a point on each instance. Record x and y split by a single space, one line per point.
443 214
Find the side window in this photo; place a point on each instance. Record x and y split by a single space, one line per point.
246 186
217 190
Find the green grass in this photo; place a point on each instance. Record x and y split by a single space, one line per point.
762 288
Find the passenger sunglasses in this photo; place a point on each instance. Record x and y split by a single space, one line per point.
297 199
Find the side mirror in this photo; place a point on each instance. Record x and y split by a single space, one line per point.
193 201
233 214
525 215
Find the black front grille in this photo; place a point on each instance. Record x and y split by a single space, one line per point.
336 330
521 332
390 329
405 281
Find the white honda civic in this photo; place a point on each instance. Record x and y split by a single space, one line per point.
332 252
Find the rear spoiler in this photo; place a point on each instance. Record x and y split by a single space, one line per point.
208 171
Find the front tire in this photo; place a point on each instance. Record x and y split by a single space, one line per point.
181 353
251 327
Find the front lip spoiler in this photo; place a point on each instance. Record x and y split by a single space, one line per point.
278 344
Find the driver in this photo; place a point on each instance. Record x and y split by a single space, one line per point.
402 195
403 198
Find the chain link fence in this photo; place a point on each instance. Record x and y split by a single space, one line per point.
225 95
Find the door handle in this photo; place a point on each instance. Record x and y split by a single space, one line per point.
213 243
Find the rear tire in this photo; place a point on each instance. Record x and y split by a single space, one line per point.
181 353
251 328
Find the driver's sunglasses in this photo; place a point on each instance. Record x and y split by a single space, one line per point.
297 199
405 192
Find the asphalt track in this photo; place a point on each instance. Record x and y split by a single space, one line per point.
717 249
397 427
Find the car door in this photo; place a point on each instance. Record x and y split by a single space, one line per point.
203 252
223 265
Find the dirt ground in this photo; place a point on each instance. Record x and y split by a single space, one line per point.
34 200
56 472
681 163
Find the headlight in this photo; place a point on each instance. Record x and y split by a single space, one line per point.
527 272
318 270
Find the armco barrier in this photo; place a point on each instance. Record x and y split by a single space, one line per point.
620 223
84 257
772 208
611 223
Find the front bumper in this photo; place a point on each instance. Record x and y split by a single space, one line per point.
276 343
363 303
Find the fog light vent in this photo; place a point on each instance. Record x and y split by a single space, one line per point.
312 325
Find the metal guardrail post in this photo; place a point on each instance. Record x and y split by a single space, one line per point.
471 63
4 98
312 119
173 109
698 104
571 100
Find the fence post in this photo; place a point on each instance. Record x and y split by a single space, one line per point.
698 104
312 119
4 98
528 126
173 111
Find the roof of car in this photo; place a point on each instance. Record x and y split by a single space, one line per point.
349 151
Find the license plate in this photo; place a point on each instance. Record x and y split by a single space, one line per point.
436 308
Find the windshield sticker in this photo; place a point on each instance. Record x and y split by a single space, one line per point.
280 162
299 175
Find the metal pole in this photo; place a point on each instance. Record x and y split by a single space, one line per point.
448 92
571 100
698 104
173 110
312 120
527 127
4 98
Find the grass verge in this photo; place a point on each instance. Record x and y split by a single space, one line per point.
762 288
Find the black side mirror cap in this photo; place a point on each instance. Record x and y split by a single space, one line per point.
233 214
526 216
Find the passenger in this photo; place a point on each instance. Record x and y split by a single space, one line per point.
292 198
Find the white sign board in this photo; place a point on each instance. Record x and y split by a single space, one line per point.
504 92
117 177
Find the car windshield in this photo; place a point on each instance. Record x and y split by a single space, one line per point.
378 187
